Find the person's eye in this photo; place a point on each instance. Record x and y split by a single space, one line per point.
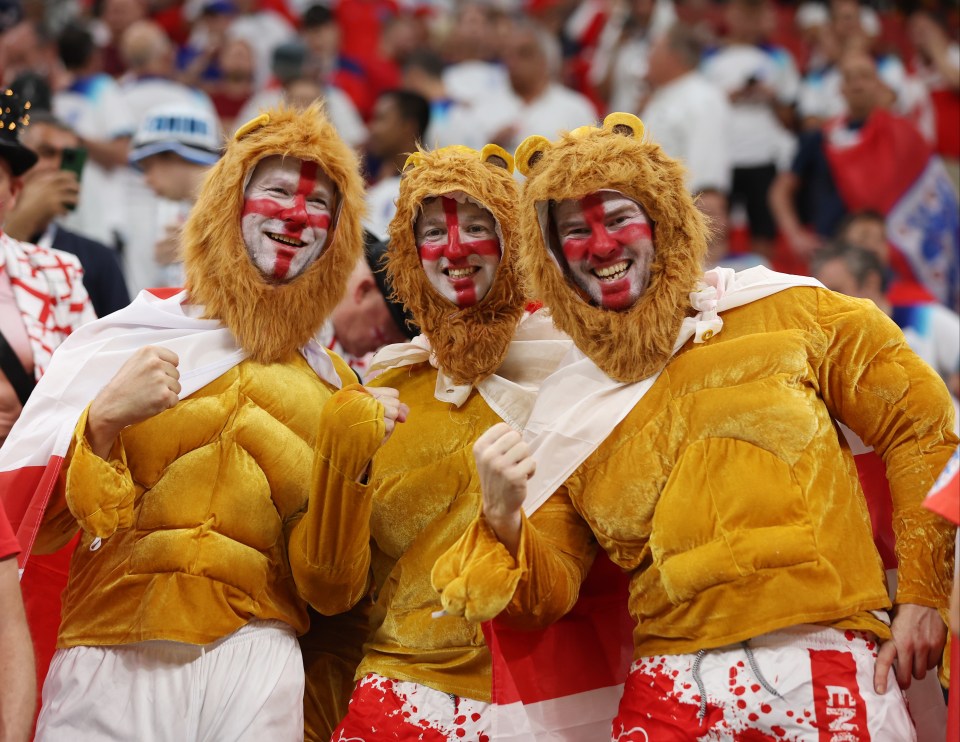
434 234
318 201
277 191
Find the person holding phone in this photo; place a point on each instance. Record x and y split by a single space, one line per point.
51 189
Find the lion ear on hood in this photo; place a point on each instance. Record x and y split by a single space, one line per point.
252 125
624 123
530 152
414 159
495 155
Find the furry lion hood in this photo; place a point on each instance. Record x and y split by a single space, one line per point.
272 320
470 343
635 343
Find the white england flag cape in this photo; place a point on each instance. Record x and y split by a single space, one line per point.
31 457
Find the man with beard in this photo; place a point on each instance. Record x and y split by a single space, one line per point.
708 465
452 262
188 472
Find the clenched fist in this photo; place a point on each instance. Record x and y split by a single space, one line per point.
504 465
394 411
146 385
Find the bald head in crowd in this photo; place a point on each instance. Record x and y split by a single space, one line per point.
147 50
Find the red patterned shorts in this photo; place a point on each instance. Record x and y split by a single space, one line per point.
383 709
803 684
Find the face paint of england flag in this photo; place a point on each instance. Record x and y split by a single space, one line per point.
459 248
287 208
607 242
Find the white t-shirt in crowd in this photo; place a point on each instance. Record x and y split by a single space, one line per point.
382 205
756 133
690 119
470 123
343 114
467 80
94 108
557 109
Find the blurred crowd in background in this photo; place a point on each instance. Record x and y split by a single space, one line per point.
802 124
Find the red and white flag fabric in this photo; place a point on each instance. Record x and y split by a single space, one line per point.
888 167
944 496
564 683
32 456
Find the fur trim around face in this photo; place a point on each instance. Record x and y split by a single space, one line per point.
470 343
636 343
272 320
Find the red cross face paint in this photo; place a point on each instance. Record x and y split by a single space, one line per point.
287 209
607 243
459 248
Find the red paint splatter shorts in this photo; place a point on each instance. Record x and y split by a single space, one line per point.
802 684
383 709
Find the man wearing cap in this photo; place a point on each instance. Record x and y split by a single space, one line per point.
174 147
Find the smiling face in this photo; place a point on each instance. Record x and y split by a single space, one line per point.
607 243
459 248
287 210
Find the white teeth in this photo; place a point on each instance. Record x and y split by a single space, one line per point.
617 270
461 272
292 241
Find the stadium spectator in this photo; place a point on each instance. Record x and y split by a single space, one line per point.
537 103
761 82
936 66
149 55
116 16
235 84
321 35
470 122
931 330
619 65
298 84
821 97
690 118
400 120
264 29
48 193
93 106
174 147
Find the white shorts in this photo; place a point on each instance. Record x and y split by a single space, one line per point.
802 684
246 686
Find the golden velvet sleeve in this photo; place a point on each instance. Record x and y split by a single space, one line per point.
872 382
329 546
478 578
95 493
